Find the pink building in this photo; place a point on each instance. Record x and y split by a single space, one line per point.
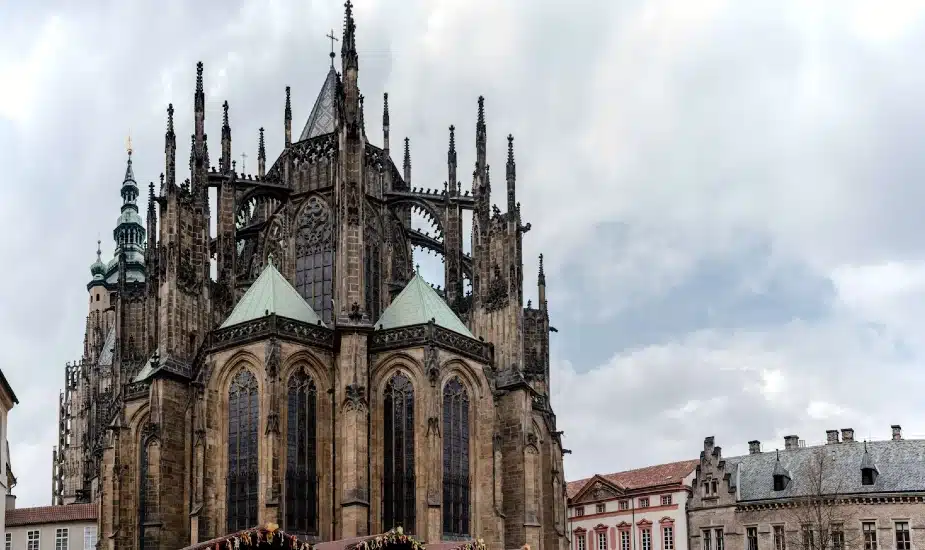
642 509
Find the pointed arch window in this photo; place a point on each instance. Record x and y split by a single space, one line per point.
148 492
398 454
301 456
372 263
243 413
314 271
455 459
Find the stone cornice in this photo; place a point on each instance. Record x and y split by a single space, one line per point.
431 333
271 325
840 500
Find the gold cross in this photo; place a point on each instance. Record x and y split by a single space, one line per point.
128 143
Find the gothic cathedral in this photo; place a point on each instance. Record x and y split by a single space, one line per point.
314 379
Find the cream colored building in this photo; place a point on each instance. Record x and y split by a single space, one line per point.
7 480
849 494
71 527
642 509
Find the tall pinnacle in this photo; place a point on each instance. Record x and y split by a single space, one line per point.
199 97
451 162
287 118
541 278
407 162
348 46
511 175
481 139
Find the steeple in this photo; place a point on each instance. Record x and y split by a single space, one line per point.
451 163
511 175
541 286
406 164
170 148
287 119
129 232
385 124
261 155
97 268
225 163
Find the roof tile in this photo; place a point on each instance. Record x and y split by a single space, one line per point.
51 514
650 476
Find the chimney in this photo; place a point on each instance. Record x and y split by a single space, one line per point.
708 444
897 432
847 435
831 436
791 442
754 447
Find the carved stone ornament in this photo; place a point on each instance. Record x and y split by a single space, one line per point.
599 492
187 279
315 228
352 204
497 291
433 426
150 430
355 314
355 399
432 364
272 423
272 358
531 438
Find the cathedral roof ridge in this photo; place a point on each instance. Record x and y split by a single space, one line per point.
321 119
418 303
272 293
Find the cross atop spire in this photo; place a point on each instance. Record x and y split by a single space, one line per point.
333 40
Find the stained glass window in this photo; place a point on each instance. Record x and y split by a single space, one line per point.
243 411
314 271
148 495
398 456
455 459
301 451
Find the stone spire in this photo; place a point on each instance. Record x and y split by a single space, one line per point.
261 155
406 164
451 162
287 118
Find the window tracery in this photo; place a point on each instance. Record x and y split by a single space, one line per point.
301 452
398 455
372 263
455 459
148 492
243 422
315 257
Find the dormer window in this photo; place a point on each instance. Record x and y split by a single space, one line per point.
868 476
781 475
780 482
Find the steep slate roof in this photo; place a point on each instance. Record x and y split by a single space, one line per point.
418 303
51 514
321 119
901 466
650 476
272 293
8 388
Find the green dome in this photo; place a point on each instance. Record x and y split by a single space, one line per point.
98 268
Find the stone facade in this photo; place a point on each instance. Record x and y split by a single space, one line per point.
641 509
846 493
152 426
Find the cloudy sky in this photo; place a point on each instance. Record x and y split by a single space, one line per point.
726 191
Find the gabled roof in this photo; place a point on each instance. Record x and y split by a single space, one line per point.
418 303
51 514
641 478
272 293
321 119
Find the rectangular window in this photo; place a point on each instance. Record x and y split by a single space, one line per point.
719 538
61 539
838 537
869 529
601 508
644 503
780 543
602 540
668 537
624 540
666 500
32 540
713 486
624 505
902 536
707 543
580 511
9 541
751 535
90 537
647 539
579 541
807 537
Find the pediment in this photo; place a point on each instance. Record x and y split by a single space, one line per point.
598 489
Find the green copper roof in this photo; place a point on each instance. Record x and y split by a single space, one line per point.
419 303
271 293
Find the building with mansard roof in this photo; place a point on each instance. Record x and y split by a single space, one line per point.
844 493
316 381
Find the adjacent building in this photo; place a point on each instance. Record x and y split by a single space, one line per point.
7 479
641 509
71 527
843 494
